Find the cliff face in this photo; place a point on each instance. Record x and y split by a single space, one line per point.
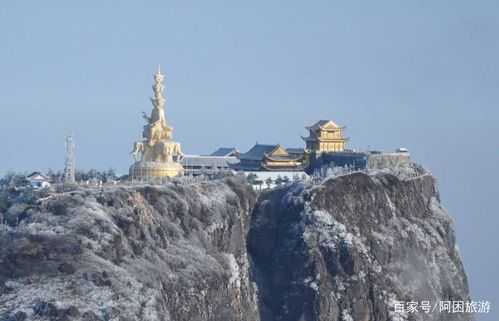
343 250
349 249
136 253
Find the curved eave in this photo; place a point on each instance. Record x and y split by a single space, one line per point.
284 168
290 159
322 127
309 139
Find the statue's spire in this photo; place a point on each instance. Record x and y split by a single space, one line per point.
158 100
158 86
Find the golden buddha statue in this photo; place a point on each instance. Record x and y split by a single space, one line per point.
157 155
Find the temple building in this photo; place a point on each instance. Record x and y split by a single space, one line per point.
325 137
271 158
195 165
156 155
38 180
327 147
213 164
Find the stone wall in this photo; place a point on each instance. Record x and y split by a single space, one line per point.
388 160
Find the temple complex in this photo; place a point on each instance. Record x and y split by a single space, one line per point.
156 155
325 137
271 158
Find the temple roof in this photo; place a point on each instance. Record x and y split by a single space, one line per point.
295 150
225 151
322 123
37 176
258 151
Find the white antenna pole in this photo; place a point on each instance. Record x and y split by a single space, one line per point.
70 167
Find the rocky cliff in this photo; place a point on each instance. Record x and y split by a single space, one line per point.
345 249
354 246
176 253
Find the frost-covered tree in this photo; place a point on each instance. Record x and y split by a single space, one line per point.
252 177
13 179
269 182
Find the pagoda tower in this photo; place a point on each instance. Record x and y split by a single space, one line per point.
325 136
156 155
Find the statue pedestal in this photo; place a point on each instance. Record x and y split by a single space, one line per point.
144 170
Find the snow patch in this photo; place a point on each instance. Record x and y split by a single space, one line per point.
234 278
345 315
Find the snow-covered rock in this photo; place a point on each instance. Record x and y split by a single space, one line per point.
174 253
347 249
351 247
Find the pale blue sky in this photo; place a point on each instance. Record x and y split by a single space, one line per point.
418 74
